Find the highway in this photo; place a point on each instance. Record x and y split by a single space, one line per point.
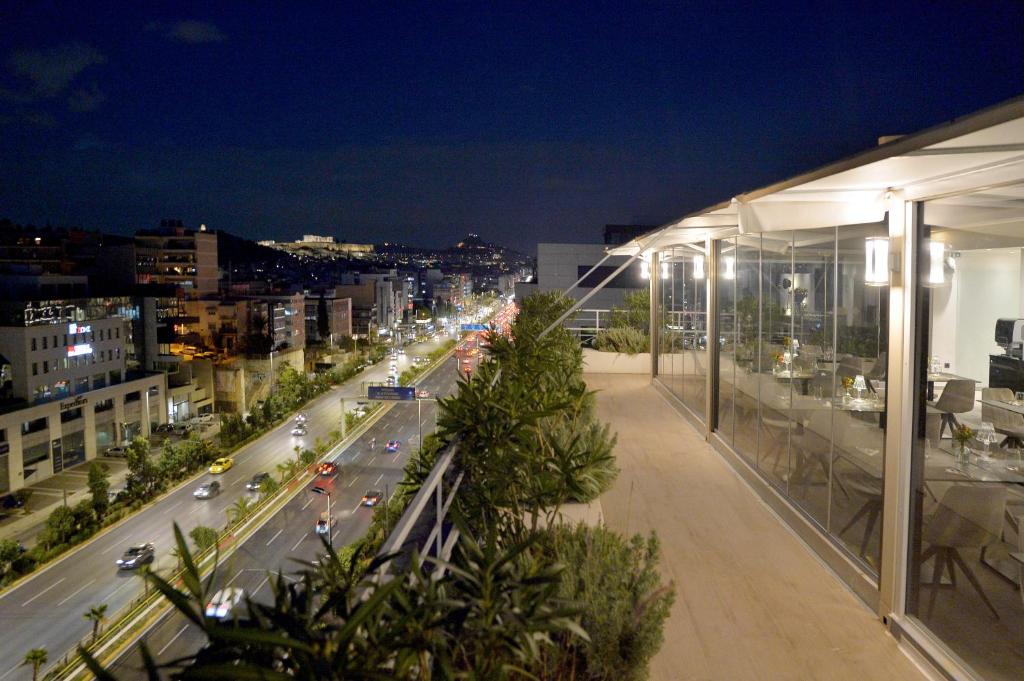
289 535
46 611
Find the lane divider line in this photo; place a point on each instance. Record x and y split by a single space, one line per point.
42 592
276 535
171 642
76 592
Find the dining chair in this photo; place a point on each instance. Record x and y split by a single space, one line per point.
1006 422
967 517
957 398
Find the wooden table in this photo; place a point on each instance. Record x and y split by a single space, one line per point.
1014 406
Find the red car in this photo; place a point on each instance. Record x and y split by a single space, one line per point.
327 468
392 446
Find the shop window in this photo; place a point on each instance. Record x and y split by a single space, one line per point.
33 344
133 396
70 415
33 426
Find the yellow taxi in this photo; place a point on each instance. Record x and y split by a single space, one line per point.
221 465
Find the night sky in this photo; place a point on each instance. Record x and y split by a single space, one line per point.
530 122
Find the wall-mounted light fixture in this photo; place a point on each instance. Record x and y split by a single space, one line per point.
729 270
645 269
876 261
698 267
940 264
664 270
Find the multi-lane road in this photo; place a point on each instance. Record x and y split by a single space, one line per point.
47 610
289 535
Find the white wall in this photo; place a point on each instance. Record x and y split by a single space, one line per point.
988 286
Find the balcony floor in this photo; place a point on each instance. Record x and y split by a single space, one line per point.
752 601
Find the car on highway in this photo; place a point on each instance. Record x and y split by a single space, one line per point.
372 497
423 394
116 451
224 602
327 468
222 465
392 446
401 351
136 556
256 481
391 381
323 524
207 490
300 418
299 431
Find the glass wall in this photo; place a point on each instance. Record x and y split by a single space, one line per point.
966 560
802 373
683 349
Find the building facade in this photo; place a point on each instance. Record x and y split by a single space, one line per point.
172 254
852 342
68 394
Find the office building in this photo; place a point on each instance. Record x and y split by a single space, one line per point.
67 392
173 254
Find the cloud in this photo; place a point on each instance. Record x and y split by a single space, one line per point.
86 99
189 31
52 70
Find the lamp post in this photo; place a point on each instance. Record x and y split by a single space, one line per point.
322 490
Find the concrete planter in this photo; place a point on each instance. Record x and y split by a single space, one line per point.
595 362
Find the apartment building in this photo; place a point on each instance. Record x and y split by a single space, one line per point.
173 254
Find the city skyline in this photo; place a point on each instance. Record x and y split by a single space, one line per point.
420 124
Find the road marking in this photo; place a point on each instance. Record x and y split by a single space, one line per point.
353 481
236 576
171 642
301 539
306 505
335 536
357 506
275 536
377 481
174 506
42 592
110 595
75 592
373 459
112 547
265 580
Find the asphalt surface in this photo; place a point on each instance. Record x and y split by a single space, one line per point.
47 610
289 535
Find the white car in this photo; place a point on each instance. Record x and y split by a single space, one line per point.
224 602
299 431
300 418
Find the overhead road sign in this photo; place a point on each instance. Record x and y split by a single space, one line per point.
393 393
474 327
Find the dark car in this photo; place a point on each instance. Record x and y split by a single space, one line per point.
207 490
392 446
372 498
256 481
136 556
11 501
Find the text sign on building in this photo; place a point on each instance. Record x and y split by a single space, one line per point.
386 392
75 328
79 349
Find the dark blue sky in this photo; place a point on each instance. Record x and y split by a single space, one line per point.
420 122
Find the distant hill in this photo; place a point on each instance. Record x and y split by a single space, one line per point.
240 252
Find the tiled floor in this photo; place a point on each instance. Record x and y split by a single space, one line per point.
753 602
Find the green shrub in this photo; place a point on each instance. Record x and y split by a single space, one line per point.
623 603
203 537
622 339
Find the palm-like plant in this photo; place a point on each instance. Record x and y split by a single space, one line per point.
240 510
35 658
96 614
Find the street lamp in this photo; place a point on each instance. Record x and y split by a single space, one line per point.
322 490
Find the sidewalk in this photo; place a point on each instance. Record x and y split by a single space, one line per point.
752 601
70 486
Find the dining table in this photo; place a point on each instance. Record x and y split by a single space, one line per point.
802 377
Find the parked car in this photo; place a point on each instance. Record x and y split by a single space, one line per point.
113 494
221 465
164 428
11 501
224 602
207 490
206 418
116 451
372 497
256 481
327 468
136 556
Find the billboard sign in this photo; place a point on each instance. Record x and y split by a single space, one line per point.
392 393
